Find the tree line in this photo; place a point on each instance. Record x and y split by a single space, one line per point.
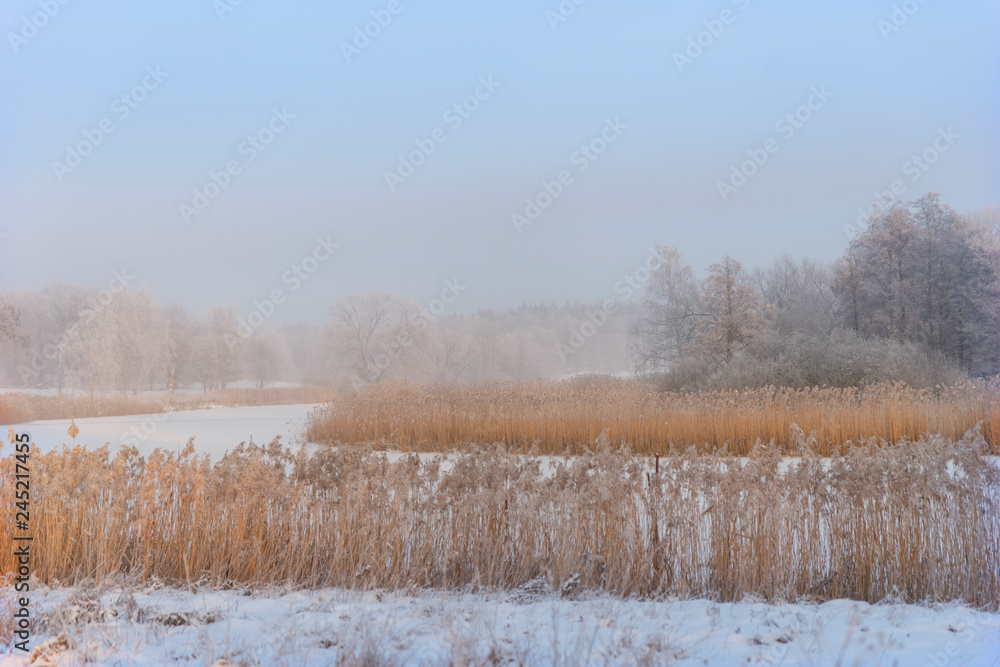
915 297
74 338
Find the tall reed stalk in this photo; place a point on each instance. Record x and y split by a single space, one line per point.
917 521
558 417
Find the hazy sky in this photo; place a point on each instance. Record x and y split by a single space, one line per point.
189 87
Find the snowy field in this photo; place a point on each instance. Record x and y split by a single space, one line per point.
161 626
171 627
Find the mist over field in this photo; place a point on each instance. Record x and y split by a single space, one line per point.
390 333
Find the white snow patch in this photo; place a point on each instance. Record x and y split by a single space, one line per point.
171 626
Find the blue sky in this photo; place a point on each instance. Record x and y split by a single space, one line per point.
324 173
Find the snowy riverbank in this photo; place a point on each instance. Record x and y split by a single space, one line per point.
157 626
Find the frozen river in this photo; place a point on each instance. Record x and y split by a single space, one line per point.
215 430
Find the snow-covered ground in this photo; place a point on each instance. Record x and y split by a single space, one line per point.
215 430
169 626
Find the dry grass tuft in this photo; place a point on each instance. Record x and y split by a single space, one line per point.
559 417
917 521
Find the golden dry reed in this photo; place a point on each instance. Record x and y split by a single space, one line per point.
20 408
559 417
917 521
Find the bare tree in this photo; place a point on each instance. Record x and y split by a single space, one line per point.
487 346
519 348
799 295
10 319
59 309
311 353
376 333
132 324
886 258
921 273
732 316
89 349
225 346
202 359
179 346
665 332
449 353
847 287
265 353
974 296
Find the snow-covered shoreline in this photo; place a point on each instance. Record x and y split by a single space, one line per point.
162 625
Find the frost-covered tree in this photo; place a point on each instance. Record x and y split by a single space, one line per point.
376 334
732 313
226 347
179 346
450 351
666 330
799 296
921 273
266 356
217 350
132 324
10 318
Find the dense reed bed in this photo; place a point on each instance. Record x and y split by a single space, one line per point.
917 521
558 417
19 408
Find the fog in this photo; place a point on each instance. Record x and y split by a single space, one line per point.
414 148
275 161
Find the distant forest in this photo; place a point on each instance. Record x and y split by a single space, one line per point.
915 298
68 337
